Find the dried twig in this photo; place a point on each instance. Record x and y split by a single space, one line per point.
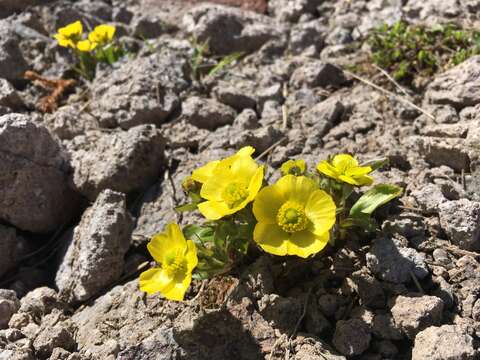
394 82
387 92
285 108
266 152
49 103
417 283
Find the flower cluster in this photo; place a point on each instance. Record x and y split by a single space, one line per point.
98 46
298 215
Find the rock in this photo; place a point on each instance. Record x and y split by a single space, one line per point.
40 302
238 96
280 311
53 337
68 122
9 96
452 152
307 38
384 327
10 7
123 161
95 257
9 305
141 91
461 221
369 290
391 262
291 10
34 192
447 342
414 314
317 74
8 249
161 345
429 197
328 304
148 26
207 113
458 87
309 348
261 139
12 63
229 29
246 120
351 337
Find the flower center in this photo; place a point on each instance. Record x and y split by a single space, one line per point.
291 217
234 193
175 263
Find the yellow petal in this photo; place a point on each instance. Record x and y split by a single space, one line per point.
325 168
154 280
179 288
73 29
202 174
304 243
348 179
246 151
342 162
162 243
271 238
243 168
358 171
214 210
320 209
213 188
85 46
301 189
256 183
266 205
365 180
191 256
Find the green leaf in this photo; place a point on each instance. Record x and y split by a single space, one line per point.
375 197
199 234
376 163
186 207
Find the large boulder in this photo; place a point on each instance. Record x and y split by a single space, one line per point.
95 257
34 192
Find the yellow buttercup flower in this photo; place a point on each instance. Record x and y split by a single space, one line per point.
69 35
177 257
86 45
228 185
102 34
345 168
293 167
294 217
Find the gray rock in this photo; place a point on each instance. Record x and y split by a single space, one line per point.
458 86
351 337
230 29
40 302
9 305
161 345
307 38
12 63
9 96
391 262
461 221
292 10
261 139
384 327
238 96
123 161
246 120
8 249
34 188
452 152
310 348
10 7
369 290
140 91
414 314
317 74
447 342
429 197
53 337
207 113
68 121
148 26
95 257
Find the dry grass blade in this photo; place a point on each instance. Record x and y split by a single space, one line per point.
387 92
58 87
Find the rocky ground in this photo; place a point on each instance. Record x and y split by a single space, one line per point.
83 188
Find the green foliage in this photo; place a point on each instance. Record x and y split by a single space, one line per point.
377 196
409 50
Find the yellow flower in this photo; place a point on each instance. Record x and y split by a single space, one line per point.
228 185
294 217
86 45
345 168
69 35
293 167
102 34
177 257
